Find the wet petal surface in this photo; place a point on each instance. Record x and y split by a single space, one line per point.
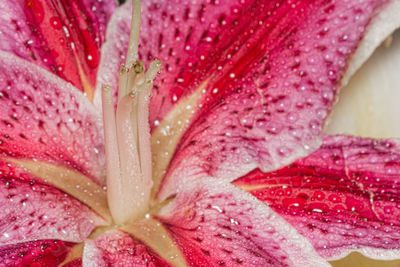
216 224
63 37
35 253
44 118
33 210
116 248
264 82
344 196
261 79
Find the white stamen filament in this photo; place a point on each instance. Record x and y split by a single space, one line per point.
127 134
142 119
135 186
111 147
122 82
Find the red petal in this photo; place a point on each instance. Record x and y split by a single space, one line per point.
344 196
164 39
44 118
196 40
35 254
271 70
62 36
216 224
74 263
116 248
32 210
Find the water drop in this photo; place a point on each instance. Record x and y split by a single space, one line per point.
55 22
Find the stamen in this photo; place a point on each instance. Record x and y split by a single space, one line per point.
153 70
135 187
138 67
122 82
127 134
111 147
132 55
143 119
136 76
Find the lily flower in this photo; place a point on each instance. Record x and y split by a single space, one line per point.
218 160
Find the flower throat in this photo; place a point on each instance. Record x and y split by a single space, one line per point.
127 133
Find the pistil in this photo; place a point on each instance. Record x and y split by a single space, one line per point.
133 47
127 134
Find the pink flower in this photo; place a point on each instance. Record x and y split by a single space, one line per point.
237 170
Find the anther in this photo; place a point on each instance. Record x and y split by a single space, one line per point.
138 67
127 134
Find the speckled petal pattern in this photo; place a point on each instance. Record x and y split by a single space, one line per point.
216 224
116 248
343 197
63 37
269 72
44 118
35 253
31 210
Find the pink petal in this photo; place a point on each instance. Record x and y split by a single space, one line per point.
162 39
268 86
343 197
44 118
194 39
216 224
272 71
32 210
63 37
113 51
35 253
116 248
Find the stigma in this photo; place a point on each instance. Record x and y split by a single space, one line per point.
127 133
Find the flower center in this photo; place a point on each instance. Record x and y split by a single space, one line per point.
127 134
